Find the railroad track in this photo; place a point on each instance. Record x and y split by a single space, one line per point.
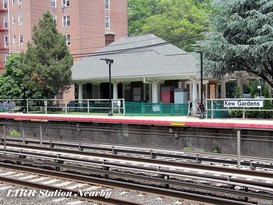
167 173
200 158
82 190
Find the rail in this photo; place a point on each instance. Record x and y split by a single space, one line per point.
145 188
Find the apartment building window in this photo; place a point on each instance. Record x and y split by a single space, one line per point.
66 3
67 40
107 22
12 1
54 3
14 39
66 21
5 22
107 4
20 19
19 2
6 42
20 39
54 18
5 4
13 19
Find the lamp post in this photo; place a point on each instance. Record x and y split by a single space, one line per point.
202 116
109 62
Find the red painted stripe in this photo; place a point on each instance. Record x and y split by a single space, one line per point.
85 119
229 125
204 123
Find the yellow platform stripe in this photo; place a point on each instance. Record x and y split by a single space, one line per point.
177 123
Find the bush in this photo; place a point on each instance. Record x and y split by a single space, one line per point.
15 133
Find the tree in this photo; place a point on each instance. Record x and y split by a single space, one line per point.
46 64
11 79
176 21
241 40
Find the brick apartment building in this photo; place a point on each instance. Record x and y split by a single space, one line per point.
83 22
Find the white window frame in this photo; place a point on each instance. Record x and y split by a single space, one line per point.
20 20
5 4
19 2
14 39
21 40
6 41
5 22
107 4
68 39
13 19
65 3
13 1
107 22
66 21
53 3
54 18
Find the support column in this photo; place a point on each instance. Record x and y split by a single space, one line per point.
223 89
115 91
155 92
80 93
241 85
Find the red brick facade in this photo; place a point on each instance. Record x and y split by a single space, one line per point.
87 23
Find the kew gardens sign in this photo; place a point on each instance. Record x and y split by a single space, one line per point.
243 103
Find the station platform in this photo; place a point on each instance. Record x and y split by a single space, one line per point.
180 121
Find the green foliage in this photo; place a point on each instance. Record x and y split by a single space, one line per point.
235 113
253 86
11 79
216 149
267 104
241 40
230 87
14 133
47 62
177 21
186 149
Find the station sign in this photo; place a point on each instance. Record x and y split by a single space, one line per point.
243 103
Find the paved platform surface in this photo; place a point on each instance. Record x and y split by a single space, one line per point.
148 120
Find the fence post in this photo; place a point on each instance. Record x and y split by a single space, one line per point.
123 102
65 103
238 149
27 105
45 103
5 137
207 113
23 133
212 111
88 106
41 135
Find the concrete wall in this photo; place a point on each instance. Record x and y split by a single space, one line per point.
254 143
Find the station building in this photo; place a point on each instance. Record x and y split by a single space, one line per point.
145 69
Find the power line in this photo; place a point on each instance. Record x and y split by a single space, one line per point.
128 49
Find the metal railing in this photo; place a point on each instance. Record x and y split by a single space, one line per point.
239 108
62 105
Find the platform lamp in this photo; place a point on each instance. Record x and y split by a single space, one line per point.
109 62
202 115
